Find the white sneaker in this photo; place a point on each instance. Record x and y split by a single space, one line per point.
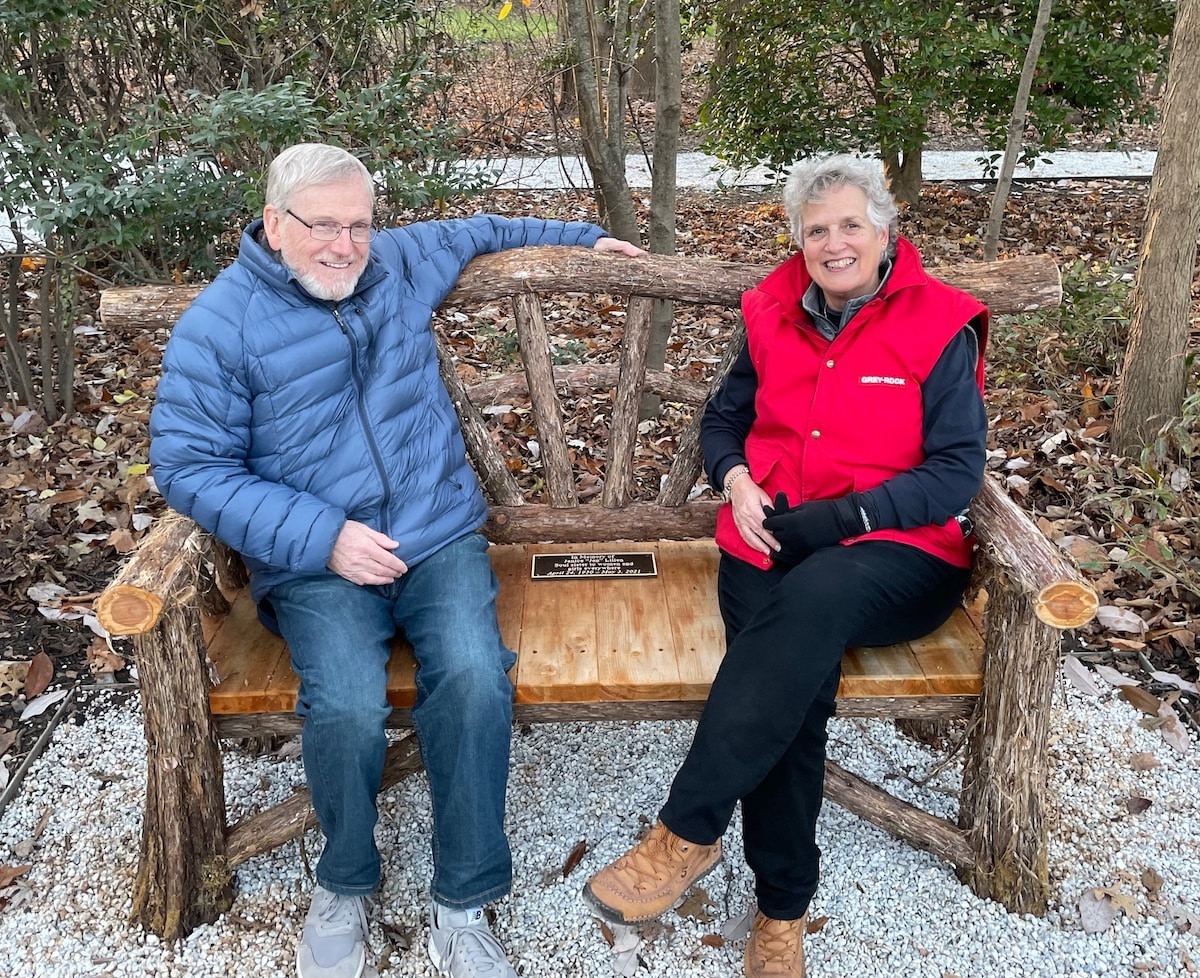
334 942
462 945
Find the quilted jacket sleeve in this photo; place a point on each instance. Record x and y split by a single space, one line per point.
200 440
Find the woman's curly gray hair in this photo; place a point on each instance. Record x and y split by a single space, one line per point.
811 180
311 164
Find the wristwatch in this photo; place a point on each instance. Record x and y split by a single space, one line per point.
731 477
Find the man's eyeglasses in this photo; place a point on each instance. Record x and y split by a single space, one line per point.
331 230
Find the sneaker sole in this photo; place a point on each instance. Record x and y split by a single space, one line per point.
437 959
616 917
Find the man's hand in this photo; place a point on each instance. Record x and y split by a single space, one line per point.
364 556
820 523
620 247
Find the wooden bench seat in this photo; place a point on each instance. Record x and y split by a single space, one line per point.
586 646
597 648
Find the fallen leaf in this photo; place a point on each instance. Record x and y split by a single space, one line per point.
1142 699
712 940
45 593
738 927
12 677
41 671
1120 619
102 660
1135 804
1172 730
1097 911
7 739
626 941
605 932
1141 761
696 906
10 873
574 857
121 541
1114 676
1080 676
1152 880
816 925
1185 919
38 706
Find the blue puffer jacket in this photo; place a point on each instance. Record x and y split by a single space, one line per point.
279 416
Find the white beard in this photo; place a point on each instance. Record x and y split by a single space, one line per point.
330 293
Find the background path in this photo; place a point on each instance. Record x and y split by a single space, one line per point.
701 172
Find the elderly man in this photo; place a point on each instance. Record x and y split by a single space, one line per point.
301 419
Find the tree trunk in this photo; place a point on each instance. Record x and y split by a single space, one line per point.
643 80
602 115
1154 380
904 175
1016 129
568 94
668 100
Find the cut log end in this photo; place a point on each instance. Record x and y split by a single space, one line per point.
126 610
1066 604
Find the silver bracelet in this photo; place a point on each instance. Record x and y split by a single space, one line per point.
745 470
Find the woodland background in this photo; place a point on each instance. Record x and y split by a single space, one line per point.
136 134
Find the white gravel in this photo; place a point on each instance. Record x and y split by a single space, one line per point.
892 911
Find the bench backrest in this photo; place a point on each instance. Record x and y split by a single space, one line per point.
527 277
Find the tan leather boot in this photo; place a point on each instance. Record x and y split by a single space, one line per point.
651 877
776 948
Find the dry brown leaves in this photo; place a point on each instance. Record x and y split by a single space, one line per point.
78 494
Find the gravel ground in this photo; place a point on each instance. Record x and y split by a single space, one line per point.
890 909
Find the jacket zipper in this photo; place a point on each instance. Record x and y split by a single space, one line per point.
360 402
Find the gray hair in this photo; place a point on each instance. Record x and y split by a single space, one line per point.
312 164
810 181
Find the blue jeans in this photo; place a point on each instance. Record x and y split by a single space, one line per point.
339 635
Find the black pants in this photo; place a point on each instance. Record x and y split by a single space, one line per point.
761 738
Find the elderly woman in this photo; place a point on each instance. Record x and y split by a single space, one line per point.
849 439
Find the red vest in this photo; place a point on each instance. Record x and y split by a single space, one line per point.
843 416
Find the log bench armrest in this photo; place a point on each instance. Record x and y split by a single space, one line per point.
178 562
1010 542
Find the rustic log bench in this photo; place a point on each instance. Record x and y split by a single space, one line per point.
597 648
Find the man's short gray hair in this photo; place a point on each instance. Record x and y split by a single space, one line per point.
311 164
810 181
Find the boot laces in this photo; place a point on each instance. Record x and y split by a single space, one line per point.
656 859
777 942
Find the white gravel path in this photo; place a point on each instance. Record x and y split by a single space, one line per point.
892 911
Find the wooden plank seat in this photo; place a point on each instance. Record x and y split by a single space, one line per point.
589 648
655 657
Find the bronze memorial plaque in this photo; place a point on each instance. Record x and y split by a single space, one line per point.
550 566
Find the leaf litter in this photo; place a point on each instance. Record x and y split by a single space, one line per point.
79 495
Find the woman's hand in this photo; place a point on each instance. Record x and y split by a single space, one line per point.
748 499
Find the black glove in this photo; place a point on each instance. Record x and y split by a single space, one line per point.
810 526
